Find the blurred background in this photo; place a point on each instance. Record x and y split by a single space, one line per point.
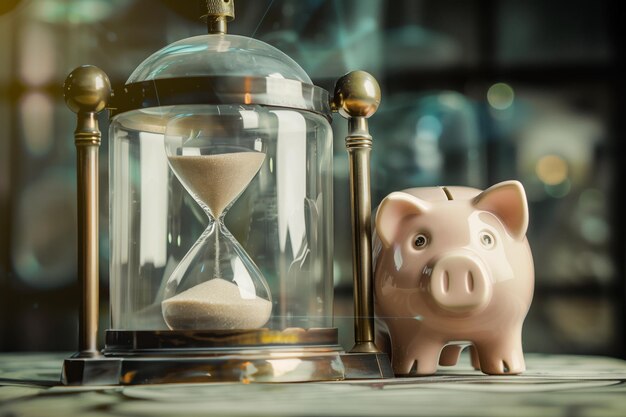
474 92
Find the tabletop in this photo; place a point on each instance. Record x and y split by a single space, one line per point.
553 385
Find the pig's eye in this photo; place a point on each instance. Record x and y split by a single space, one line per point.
487 239
420 241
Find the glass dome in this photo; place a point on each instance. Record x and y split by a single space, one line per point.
221 193
217 69
219 55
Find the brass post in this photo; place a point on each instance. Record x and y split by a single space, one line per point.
357 97
87 91
219 12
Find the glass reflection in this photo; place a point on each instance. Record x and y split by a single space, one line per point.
37 123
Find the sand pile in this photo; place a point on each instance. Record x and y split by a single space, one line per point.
215 304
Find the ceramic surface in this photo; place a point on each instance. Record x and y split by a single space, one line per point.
453 268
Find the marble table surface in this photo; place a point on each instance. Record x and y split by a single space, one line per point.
554 385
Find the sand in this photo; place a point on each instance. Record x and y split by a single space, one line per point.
215 304
217 179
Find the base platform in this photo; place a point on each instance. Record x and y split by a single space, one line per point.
261 355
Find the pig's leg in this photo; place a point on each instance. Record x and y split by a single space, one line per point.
426 354
401 336
503 355
450 355
474 358
401 359
410 347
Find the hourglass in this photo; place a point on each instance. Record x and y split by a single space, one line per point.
216 285
211 112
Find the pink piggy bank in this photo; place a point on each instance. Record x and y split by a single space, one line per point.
453 268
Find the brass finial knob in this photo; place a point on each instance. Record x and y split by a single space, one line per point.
218 13
357 94
87 89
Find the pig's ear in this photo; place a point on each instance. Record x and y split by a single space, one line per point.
507 200
392 210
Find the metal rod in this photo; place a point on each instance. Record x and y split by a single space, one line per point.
217 25
88 249
359 147
357 97
87 91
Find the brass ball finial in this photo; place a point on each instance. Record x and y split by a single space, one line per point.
357 94
87 89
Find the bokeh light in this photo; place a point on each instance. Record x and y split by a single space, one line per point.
594 229
559 190
551 169
427 154
37 119
592 199
429 125
500 96
44 253
77 11
38 56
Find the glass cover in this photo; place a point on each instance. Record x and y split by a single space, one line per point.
221 218
219 55
221 214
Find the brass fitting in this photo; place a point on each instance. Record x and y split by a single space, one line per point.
219 12
87 91
357 94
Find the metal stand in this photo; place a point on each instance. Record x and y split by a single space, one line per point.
262 355
357 97
87 91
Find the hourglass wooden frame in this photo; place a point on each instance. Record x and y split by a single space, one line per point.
205 355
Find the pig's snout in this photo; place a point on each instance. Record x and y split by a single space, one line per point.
460 282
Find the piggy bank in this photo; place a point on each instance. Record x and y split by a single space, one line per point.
453 268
